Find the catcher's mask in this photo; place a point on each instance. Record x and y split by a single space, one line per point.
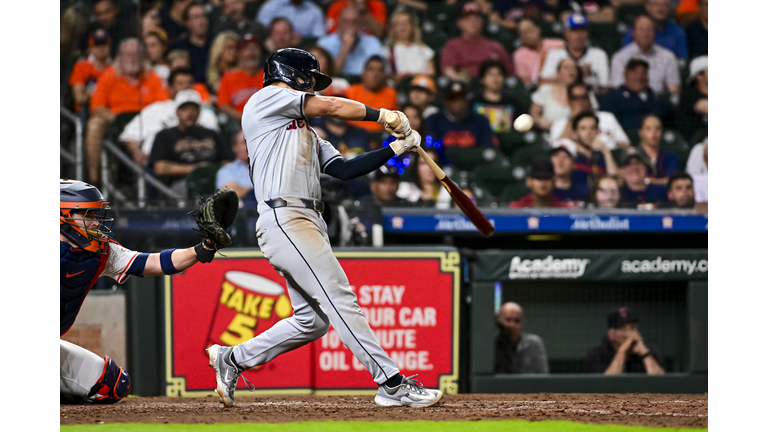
78 198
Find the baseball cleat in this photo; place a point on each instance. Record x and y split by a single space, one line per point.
227 373
409 393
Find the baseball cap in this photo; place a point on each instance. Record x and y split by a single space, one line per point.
454 88
576 21
385 171
246 39
542 168
636 61
564 144
424 82
471 8
187 96
627 155
99 37
697 66
621 316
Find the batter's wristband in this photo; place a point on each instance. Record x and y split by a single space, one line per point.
204 255
371 114
166 262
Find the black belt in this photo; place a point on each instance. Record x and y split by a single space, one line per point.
315 205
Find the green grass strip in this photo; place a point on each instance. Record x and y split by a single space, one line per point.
355 426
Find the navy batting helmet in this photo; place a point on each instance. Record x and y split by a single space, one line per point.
297 68
80 203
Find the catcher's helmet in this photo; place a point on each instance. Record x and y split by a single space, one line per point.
297 68
75 197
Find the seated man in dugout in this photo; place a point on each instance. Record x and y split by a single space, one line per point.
623 350
517 351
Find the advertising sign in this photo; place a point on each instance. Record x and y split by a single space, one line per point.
410 300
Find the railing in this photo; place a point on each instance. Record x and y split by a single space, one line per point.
115 154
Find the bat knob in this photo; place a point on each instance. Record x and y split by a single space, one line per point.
393 120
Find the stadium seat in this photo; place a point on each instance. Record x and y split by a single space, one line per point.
442 13
525 155
673 141
628 13
433 35
510 142
514 192
605 36
551 29
468 158
699 136
502 35
495 177
202 181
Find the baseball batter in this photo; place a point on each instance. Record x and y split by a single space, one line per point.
86 254
286 158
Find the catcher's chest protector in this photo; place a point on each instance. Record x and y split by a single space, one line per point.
80 270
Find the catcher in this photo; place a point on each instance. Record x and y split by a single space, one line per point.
87 253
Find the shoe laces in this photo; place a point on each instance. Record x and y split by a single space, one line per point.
413 384
233 384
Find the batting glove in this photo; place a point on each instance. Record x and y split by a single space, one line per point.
409 143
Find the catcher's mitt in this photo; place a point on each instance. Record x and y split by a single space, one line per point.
215 214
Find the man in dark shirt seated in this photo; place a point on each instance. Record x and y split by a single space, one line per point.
517 351
179 150
623 349
567 186
680 192
196 41
633 100
384 187
457 125
541 182
638 190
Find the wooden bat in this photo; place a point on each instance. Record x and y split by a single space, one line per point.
462 200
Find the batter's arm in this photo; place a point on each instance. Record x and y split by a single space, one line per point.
340 108
361 165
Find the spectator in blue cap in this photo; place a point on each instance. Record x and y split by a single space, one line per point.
595 10
592 61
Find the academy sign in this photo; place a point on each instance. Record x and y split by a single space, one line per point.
547 268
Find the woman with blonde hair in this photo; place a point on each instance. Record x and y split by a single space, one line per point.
222 58
405 52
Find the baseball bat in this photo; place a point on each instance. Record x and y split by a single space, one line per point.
459 197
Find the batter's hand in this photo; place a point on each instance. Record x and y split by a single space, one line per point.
402 130
409 143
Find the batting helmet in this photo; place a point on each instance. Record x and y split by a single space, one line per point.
80 197
297 68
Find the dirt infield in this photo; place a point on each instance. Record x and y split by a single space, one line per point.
657 410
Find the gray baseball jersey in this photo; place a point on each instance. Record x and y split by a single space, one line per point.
285 154
286 158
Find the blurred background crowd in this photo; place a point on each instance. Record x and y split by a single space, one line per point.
617 90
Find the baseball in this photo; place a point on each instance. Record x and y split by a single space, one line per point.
524 123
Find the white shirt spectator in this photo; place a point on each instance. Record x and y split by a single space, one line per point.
158 116
701 187
412 193
696 165
412 59
596 58
551 108
662 71
610 131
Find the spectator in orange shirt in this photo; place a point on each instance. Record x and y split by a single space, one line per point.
179 59
87 71
373 14
124 89
373 91
238 86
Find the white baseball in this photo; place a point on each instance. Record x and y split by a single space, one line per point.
524 123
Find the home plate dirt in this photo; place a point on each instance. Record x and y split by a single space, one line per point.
641 409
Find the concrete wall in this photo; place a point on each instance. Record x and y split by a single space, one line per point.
100 326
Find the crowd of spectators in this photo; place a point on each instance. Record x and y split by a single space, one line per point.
612 127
